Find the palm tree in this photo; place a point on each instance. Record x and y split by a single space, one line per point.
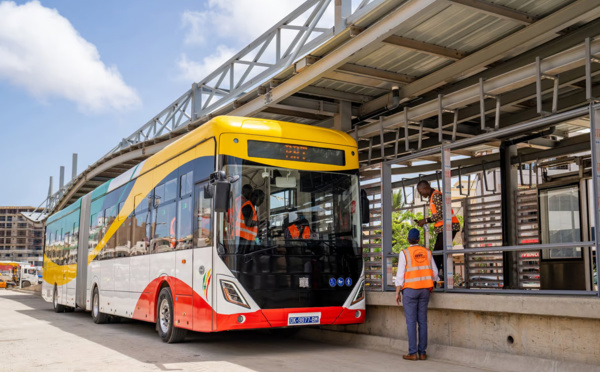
397 199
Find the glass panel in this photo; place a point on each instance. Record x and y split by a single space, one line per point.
171 190
187 182
290 233
140 235
164 232
204 218
184 223
159 195
560 221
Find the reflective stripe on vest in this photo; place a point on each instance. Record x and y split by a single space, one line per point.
419 272
243 231
433 210
295 233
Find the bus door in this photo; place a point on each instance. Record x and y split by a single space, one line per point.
181 230
203 251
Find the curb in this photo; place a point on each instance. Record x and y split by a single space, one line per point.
488 360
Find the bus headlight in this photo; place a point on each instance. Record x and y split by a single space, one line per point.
232 294
360 295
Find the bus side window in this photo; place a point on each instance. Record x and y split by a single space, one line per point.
203 216
141 225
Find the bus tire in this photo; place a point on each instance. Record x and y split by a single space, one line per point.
164 318
57 307
97 316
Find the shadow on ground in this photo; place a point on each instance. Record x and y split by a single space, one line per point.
139 340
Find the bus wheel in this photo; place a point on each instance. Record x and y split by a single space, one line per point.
57 308
97 316
165 314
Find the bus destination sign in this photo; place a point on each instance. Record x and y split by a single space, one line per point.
285 151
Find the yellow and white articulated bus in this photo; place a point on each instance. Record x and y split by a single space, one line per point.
242 223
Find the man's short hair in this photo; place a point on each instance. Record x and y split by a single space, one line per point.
423 183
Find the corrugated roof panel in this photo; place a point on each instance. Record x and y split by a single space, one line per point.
403 61
349 88
462 28
534 8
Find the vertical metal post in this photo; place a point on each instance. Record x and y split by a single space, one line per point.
406 143
482 104
454 125
420 143
196 102
343 119
386 218
595 146
538 84
588 69
381 139
74 167
343 9
61 182
50 191
440 118
447 212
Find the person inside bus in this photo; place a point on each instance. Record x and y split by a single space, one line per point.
414 281
247 222
240 200
298 229
436 205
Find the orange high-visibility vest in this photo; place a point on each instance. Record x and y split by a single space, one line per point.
233 210
243 231
419 272
295 233
433 210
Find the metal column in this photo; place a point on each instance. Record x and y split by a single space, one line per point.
386 218
595 147
508 187
343 119
447 211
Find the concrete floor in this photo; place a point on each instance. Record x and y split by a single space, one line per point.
32 337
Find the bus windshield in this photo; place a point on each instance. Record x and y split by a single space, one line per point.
291 230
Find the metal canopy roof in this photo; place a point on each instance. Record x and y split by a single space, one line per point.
343 76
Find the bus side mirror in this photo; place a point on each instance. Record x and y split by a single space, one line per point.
221 196
364 207
221 188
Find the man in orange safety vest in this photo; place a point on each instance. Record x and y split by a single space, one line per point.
414 281
436 205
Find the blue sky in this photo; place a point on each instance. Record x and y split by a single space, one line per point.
77 76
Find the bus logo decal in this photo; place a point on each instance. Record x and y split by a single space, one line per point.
206 282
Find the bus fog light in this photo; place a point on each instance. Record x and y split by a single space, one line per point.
241 319
357 314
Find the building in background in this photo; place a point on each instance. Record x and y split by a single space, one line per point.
21 239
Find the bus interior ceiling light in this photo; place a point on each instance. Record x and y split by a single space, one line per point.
285 182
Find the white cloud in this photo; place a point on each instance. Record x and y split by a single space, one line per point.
41 52
194 71
239 20
233 24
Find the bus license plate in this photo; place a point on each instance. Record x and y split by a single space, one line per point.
304 319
